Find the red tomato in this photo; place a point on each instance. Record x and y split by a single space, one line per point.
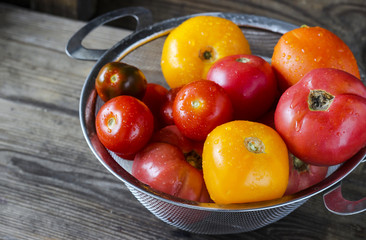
322 117
163 167
192 150
249 82
154 98
166 111
199 107
124 125
303 175
117 78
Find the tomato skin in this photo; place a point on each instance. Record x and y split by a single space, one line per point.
199 107
303 175
117 78
306 48
192 47
236 173
171 134
324 137
124 125
163 167
166 111
249 82
154 99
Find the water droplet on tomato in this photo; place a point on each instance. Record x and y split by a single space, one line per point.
182 96
298 126
293 105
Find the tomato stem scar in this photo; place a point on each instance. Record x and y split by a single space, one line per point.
207 54
254 145
299 165
243 60
194 159
195 103
111 122
319 100
114 78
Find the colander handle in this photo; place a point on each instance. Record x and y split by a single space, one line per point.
75 49
336 203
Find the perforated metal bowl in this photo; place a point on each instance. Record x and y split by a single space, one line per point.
143 49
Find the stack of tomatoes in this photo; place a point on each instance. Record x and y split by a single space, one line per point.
234 128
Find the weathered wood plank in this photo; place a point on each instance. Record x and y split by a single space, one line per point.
34 63
52 178
78 9
49 32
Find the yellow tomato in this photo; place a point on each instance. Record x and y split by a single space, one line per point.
245 162
192 47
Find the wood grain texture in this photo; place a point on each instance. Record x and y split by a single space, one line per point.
52 186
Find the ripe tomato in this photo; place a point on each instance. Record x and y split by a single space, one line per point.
192 47
306 48
243 162
303 175
154 98
163 167
117 78
322 117
166 111
199 107
124 125
249 82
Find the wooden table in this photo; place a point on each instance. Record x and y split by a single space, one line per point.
52 186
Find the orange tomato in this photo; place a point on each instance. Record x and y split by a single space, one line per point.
192 47
244 162
306 48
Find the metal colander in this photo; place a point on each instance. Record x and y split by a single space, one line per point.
209 220
143 49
